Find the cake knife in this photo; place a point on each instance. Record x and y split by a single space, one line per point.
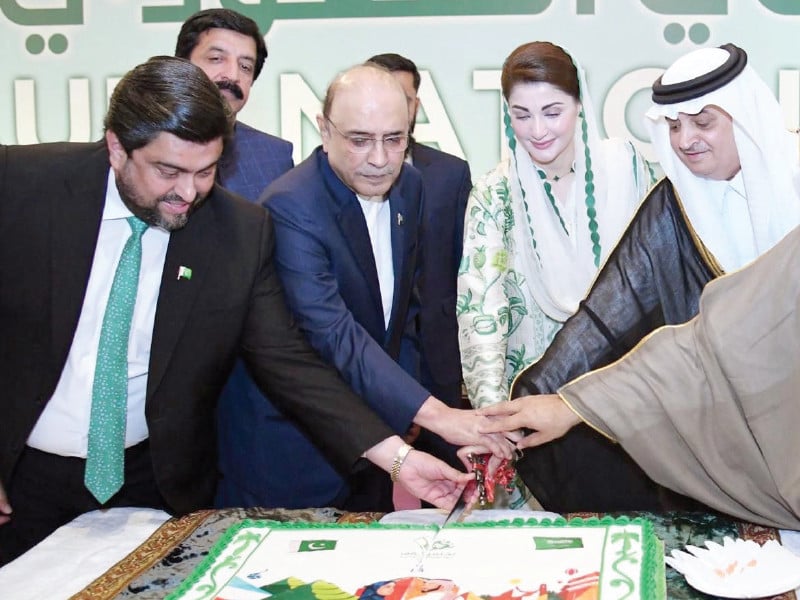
456 515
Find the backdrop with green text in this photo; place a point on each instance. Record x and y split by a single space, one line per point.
61 58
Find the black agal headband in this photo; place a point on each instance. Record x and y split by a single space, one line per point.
708 82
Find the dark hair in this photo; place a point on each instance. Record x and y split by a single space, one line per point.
171 95
395 62
540 62
220 18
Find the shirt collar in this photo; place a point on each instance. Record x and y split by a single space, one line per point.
114 207
372 199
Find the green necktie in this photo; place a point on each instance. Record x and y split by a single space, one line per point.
105 457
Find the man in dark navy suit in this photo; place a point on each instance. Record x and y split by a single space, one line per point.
446 181
347 231
230 49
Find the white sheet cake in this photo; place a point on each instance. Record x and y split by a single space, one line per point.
504 560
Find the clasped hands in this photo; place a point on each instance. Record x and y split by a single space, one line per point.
498 429
544 418
547 417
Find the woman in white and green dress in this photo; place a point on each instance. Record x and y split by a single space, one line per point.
541 223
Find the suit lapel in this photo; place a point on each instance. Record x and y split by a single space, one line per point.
191 248
399 210
353 226
76 218
403 218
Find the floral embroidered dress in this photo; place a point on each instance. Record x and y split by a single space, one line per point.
528 260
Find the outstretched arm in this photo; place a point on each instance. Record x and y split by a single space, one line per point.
317 299
709 408
426 477
297 380
483 307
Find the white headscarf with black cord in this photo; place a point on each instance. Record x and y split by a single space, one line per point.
735 232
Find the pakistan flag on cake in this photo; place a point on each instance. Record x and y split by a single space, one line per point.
602 559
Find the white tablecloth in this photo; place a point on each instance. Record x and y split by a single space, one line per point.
77 553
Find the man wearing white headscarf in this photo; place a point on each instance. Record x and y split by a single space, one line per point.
728 197
737 219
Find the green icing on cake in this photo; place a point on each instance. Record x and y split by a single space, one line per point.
624 550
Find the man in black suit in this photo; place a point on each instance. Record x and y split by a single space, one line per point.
207 290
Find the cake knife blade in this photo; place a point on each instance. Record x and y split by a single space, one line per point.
456 515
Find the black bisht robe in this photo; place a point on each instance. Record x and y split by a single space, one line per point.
653 277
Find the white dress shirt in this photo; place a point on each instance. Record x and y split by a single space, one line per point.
63 427
379 224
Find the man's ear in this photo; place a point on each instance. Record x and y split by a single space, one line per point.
116 153
324 132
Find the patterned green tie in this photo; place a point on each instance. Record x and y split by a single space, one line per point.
105 457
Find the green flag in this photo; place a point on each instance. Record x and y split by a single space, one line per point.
316 545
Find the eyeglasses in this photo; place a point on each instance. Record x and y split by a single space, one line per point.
359 144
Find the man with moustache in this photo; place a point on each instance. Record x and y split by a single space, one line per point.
230 49
347 225
122 312
728 197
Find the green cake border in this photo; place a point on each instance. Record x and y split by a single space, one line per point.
652 584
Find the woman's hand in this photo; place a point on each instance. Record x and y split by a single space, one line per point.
548 416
